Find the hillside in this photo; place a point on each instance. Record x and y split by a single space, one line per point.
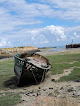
15 50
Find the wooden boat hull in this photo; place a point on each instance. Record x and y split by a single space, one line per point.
30 67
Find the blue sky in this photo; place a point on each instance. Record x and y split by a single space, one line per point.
39 23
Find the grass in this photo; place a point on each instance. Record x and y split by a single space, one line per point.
75 75
6 72
9 99
62 61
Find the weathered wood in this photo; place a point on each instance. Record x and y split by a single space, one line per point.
30 66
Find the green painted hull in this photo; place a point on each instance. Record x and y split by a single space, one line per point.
26 71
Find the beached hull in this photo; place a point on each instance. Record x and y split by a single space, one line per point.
30 67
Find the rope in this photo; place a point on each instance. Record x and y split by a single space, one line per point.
43 75
34 76
41 78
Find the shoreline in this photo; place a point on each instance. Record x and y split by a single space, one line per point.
47 51
50 51
7 58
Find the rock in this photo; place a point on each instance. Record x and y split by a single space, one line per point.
3 94
44 89
24 88
34 95
61 88
27 93
39 87
50 94
70 89
50 88
37 94
52 80
77 80
77 93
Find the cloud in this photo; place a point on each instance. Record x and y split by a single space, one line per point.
5 43
19 21
68 10
38 37
76 35
46 36
23 12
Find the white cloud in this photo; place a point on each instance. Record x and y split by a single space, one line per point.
76 35
44 42
65 9
46 35
5 43
18 17
49 35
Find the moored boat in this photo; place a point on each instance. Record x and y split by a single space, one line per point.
73 46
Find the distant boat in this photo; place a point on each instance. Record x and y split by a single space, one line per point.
73 45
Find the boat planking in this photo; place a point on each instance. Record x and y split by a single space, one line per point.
30 67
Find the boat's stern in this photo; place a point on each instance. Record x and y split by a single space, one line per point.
18 65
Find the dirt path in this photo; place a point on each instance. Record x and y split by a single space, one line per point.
65 73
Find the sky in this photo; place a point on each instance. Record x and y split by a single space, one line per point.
40 23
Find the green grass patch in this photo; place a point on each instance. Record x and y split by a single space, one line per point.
62 61
74 75
9 99
60 58
6 71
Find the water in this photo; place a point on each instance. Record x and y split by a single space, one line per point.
58 48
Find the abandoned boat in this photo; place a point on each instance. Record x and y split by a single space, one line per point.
31 67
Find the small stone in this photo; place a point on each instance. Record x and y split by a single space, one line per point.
39 87
50 88
61 88
44 89
77 80
70 89
33 95
37 94
50 94
52 79
77 93
3 94
27 94
24 88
